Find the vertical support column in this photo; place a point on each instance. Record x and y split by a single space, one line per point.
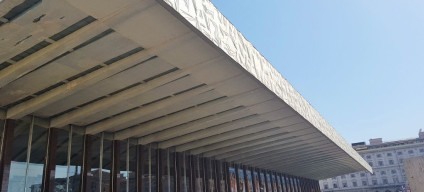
246 178
115 173
85 184
6 156
50 163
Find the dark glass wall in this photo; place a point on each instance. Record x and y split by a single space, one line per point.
36 158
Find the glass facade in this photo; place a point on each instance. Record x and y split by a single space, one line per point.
35 158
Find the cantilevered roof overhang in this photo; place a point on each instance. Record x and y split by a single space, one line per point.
175 73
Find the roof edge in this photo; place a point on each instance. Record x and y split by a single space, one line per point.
208 20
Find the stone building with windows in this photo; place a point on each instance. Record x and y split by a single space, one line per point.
386 159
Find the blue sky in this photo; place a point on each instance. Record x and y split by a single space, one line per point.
360 63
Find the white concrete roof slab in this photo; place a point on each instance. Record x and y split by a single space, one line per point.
172 72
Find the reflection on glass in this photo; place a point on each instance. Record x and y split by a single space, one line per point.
198 182
187 167
233 180
210 175
268 182
149 162
171 170
256 181
132 168
61 170
263 182
76 161
18 165
249 181
123 174
153 168
36 163
221 176
241 181
93 180
107 165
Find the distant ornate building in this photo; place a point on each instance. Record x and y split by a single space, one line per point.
386 159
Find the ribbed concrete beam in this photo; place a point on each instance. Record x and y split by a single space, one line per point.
241 114
160 124
41 57
200 138
278 151
103 104
258 145
90 79
278 132
252 132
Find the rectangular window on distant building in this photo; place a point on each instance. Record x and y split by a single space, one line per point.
325 186
362 174
371 164
411 152
335 185
399 152
379 155
422 150
364 183
355 184
394 171
385 181
389 154
391 162
380 163
368 156
352 175
383 172
374 182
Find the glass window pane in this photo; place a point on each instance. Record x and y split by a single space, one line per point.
76 161
61 170
274 183
221 176
268 182
249 181
263 183
153 168
93 180
187 168
123 174
210 175
241 180
233 180
19 157
198 174
132 168
256 181
280 188
107 165
36 164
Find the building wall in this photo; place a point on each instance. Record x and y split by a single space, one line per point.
414 168
36 158
387 162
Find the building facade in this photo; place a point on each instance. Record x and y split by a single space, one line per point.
151 96
387 160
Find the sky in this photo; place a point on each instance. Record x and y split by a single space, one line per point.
360 63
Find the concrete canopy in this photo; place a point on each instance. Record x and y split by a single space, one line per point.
175 73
